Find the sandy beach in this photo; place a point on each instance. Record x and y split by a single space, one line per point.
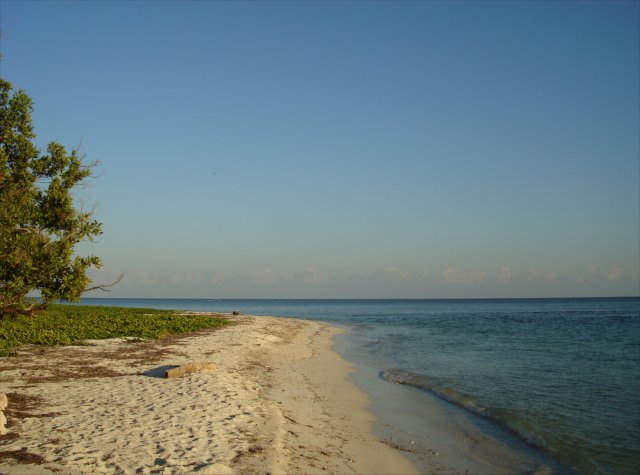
278 401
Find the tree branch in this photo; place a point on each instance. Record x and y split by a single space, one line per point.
105 287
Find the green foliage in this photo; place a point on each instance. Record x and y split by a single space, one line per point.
39 225
66 324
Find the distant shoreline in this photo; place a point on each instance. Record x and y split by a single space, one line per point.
418 299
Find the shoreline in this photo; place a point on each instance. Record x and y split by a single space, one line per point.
279 400
438 436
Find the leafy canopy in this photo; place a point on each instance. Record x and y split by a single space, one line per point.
39 225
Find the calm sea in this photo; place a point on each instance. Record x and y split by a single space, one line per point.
562 375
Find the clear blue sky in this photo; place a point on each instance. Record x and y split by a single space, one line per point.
346 149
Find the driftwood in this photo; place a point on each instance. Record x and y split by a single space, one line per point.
188 368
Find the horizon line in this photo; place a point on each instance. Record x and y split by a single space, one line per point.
365 298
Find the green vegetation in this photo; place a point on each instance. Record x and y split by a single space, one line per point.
66 324
39 225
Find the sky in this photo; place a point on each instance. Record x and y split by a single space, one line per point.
345 149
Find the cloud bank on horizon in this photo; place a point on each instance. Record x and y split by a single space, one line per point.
450 282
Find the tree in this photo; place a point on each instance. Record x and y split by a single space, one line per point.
39 225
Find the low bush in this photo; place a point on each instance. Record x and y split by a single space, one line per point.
67 324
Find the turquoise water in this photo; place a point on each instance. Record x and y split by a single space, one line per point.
563 375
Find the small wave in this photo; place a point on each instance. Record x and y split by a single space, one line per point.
420 381
362 326
464 401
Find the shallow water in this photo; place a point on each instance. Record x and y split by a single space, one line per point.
562 375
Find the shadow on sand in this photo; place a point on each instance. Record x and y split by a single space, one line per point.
158 372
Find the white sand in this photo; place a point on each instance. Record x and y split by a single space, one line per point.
278 401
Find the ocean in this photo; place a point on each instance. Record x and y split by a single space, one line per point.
560 376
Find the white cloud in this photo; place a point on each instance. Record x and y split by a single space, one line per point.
590 275
180 276
264 276
396 273
143 276
505 274
453 275
314 277
534 274
614 273
218 278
